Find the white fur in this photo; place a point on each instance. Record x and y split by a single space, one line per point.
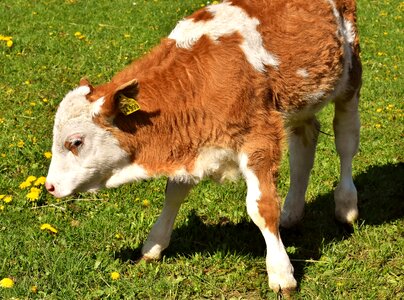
279 268
302 73
253 191
214 162
96 106
129 173
160 235
346 129
227 20
349 32
302 148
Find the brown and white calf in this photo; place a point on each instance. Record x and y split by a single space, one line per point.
217 98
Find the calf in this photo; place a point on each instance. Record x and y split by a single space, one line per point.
216 98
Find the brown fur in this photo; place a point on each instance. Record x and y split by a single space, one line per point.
211 96
201 15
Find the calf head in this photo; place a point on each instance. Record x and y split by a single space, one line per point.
84 154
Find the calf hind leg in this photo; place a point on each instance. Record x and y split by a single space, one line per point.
160 235
346 130
302 147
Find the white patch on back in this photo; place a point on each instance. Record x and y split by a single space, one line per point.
227 20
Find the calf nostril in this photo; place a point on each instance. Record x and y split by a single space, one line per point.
49 187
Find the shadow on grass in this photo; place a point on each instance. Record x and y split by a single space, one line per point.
381 200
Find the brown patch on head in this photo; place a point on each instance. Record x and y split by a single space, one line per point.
72 147
201 15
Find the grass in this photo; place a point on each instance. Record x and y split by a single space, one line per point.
216 251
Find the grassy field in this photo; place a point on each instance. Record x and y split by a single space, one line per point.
46 46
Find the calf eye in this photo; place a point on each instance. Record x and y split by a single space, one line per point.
77 143
73 143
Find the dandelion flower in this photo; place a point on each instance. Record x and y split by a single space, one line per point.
34 289
6 283
79 35
40 181
20 144
49 228
146 203
31 179
25 184
7 199
115 276
378 110
33 195
1 207
48 154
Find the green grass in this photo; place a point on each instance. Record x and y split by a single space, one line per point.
216 251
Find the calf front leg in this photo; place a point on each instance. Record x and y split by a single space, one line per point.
160 235
263 206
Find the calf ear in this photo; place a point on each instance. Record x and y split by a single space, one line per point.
85 82
122 99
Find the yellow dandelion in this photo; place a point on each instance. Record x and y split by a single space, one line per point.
49 228
45 100
79 35
20 144
33 195
25 184
1 207
48 154
7 199
118 236
6 283
3 155
146 203
115 276
31 179
40 181
378 125
34 289
379 110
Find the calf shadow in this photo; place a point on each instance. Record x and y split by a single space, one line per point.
381 200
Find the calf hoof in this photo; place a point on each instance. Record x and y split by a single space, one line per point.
346 199
151 251
282 284
346 215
